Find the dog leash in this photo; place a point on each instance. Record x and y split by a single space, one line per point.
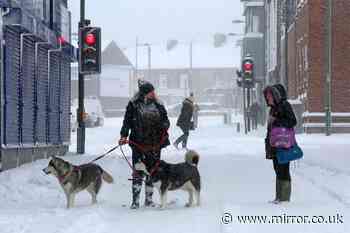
103 155
135 173
143 148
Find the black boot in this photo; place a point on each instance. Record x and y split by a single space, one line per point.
149 194
136 190
184 145
184 141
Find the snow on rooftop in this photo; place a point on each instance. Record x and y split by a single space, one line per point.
204 56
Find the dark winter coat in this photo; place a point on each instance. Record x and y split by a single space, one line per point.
145 130
281 115
184 120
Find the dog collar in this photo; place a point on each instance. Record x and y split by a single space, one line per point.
63 177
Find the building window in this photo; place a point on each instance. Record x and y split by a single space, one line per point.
219 82
255 24
163 81
306 63
184 81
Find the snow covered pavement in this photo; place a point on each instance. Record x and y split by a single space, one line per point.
236 180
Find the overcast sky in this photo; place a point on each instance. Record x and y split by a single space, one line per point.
155 21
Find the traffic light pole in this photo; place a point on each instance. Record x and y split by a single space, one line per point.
81 107
149 62
247 82
190 79
244 108
248 109
328 83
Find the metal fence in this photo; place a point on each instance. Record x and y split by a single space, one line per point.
35 94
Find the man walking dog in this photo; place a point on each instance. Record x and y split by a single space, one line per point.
147 120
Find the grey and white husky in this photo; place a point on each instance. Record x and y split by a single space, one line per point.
74 179
168 177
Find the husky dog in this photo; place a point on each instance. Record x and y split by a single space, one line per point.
74 179
168 177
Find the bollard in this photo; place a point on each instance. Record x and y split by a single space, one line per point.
238 127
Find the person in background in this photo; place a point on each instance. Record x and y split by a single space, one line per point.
185 121
195 114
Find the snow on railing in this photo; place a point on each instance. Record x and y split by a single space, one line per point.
322 114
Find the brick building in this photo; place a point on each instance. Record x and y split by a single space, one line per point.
304 72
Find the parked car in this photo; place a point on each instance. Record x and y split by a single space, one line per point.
94 116
205 108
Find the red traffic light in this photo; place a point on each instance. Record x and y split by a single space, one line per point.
248 66
61 40
90 39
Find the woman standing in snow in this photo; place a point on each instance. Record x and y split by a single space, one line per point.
281 115
147 122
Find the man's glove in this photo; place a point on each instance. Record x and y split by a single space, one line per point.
123 141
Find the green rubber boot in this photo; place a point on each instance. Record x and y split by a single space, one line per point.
278 192
286 189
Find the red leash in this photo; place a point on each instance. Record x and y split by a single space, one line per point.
134 172
77 167
144 150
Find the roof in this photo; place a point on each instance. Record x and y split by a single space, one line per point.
113 55
203 56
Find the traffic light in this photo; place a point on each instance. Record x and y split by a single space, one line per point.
239 78
90 50
248 71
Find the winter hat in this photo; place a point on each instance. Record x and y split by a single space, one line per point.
267 90
145 87
282 91
278 92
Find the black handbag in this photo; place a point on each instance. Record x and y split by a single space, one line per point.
269 151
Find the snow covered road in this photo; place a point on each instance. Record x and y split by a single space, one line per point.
236 179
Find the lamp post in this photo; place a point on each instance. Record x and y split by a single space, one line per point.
136 59
171 44
190 78
149 52
238 44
